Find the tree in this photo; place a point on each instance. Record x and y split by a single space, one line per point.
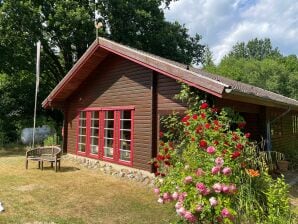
66 29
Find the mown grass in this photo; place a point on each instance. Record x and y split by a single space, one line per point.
75 195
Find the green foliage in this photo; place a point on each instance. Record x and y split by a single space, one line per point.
66 29
258 64
214 173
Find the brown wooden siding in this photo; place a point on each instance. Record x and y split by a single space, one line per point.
117 82
284 136
167 88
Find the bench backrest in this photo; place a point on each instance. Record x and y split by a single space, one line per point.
46 150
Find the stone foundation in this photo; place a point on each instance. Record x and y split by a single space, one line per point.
144 177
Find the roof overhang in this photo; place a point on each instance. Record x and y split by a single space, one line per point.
99 50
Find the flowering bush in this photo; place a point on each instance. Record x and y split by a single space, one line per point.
211 171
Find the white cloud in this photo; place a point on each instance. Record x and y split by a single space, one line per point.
226 22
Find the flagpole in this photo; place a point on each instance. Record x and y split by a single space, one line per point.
36 89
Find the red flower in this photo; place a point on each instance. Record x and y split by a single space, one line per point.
239 146
214 110
247 135
157 174
156 165
207 125
166 149
235 137
203 115
235 154
187 123
203 144
216 128
195 116
216 142
160 134
185 119
168 156
204 105
241 125
167 163
160 157
216 122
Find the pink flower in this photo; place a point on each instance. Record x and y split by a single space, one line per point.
188 180
219 161
160 200
199 208
227 171
178 205
206 192
215 170
175 195
190 217
156 190
225 188
211 150
167 196
182 196
181 211
217 187
225 213
200 172
201 187
232 189
213 201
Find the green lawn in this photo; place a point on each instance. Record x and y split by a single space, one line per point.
74 195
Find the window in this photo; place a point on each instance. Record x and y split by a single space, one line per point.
82 132
106 133
295 124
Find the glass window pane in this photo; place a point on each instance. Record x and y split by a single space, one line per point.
125 124
125 145
94 141
108 152
83 114
109 124
82 131
82 123
94 149
95 123
94 114
124 155
82 139
126 114
125 135
109 133
94 132
109 114
109 142
81 147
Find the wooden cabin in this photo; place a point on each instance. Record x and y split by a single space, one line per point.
114 95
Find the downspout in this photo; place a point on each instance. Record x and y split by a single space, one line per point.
268 128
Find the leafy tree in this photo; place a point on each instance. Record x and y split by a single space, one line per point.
66 29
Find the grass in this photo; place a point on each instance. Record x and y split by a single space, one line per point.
74 195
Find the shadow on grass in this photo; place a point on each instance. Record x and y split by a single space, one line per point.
63 169
12 151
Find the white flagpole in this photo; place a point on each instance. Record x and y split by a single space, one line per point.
36 89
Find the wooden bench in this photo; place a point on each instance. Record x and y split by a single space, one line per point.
50 154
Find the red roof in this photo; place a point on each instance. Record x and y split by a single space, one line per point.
216 85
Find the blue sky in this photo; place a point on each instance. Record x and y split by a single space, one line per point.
222 23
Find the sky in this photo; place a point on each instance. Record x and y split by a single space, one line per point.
223 23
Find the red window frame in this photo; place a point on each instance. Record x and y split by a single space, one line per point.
116 134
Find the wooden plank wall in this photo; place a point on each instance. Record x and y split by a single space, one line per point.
284 138
117 82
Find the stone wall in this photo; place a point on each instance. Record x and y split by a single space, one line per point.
113 169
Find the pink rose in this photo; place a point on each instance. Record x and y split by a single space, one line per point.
225 188
156 190
190 217
188 180
219 161
232 189
175 195
225 213
210 150
215 170
213 201
199 208
206 192
200 172
167 196
182 196
181 211
217 187
227 171
201 187
178 205
160 200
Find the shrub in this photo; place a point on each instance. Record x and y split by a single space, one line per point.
213 173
